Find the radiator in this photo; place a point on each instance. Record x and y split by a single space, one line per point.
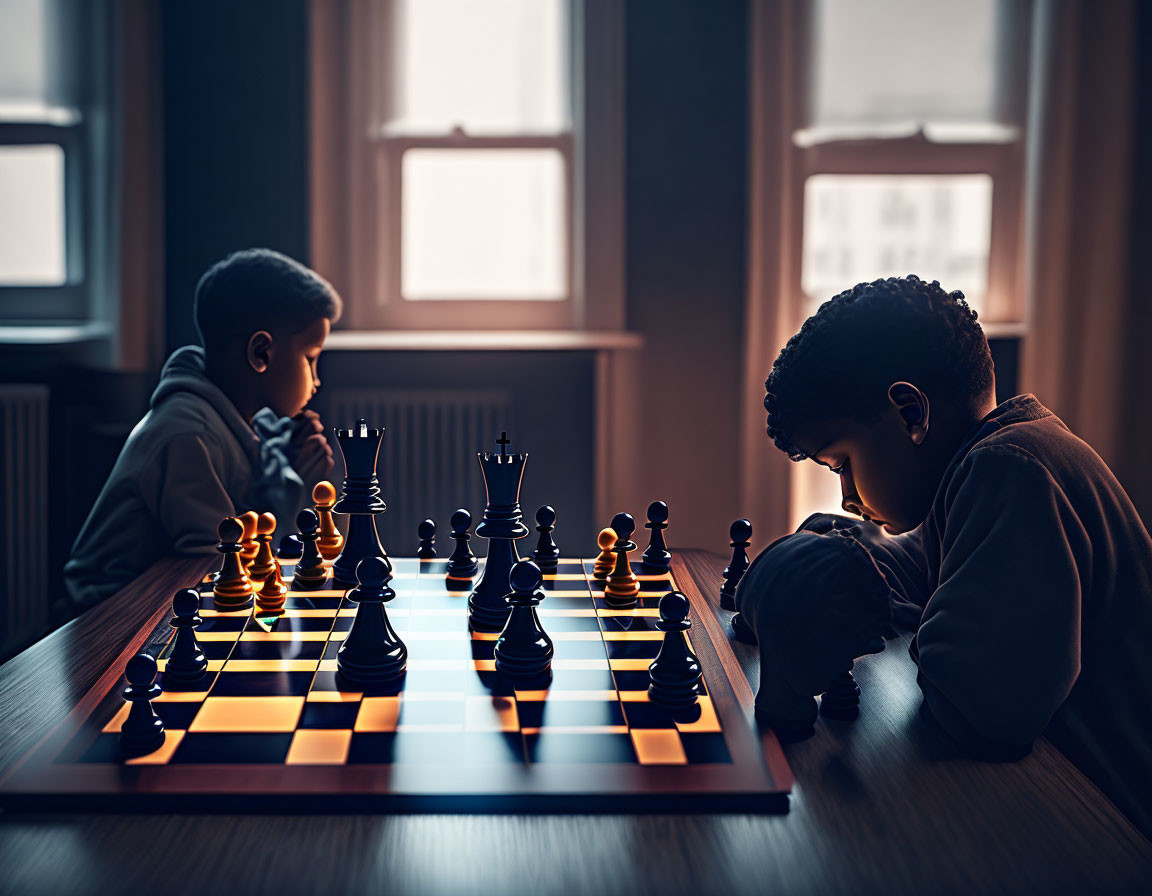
427 465
24 604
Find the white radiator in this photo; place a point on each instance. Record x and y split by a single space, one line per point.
24 604
427 465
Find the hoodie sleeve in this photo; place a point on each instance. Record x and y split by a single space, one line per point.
900 558
182 488
276 486
999 643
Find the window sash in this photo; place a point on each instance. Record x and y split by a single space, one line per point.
68 301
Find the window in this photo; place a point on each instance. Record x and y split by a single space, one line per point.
479 158
47 86
908 158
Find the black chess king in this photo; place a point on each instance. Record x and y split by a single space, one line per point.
360 498
502 524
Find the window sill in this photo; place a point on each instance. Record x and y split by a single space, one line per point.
494 340
54 334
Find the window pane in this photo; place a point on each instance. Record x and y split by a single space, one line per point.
861 227
483 224
490 67
32 216
33 63
886 61
815 489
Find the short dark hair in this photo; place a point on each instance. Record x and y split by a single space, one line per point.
257 289
861 341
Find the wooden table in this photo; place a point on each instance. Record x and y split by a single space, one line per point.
883 804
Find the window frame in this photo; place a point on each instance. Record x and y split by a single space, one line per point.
357 162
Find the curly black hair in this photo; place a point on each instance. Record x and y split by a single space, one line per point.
259 289
859 342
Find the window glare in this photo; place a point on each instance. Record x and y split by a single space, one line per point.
31 53
941 67
490 67
861 227
483 224
32 216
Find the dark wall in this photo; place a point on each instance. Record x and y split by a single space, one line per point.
686 205
235 138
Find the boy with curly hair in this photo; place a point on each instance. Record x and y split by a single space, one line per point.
1006 542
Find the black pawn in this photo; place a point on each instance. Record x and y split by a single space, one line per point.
372 652
462 564
143 731
310 573
546 555
291 547
186 662
842 699
740 531
427 532
524 649
675 673
656 558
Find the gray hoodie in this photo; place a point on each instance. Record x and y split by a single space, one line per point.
191 461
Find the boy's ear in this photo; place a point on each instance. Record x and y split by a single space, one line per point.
259 350
912 405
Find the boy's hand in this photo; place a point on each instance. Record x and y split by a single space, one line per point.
308 444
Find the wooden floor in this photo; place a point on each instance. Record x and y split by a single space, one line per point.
882 805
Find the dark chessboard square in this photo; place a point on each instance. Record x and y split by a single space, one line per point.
262 684
565 585
456 748
489 684
437 568
632 650
632 680
705 747
579 650
278 650
329 715
558 746
582 679
375 748
570 568
216 650
570 623
569 713
568 600
629 623
647 715
227 749
106 748
342 623
483 650
233 623
176 716
331 649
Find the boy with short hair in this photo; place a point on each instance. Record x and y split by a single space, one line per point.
227 430
1011 548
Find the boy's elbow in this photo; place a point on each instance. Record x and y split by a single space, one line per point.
972 735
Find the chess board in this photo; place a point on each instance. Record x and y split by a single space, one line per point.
268 728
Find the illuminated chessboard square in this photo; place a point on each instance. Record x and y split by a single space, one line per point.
162 756
591 649
378 714
630 665
440 649
579 747
247 714
319 747
557 695
251 637
213 666
173 715
315 621
233 749
262 684
658 747
455 603
570 714
418 710
329 715
195 693
315 696
569 678
431 623
633 635
491 714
